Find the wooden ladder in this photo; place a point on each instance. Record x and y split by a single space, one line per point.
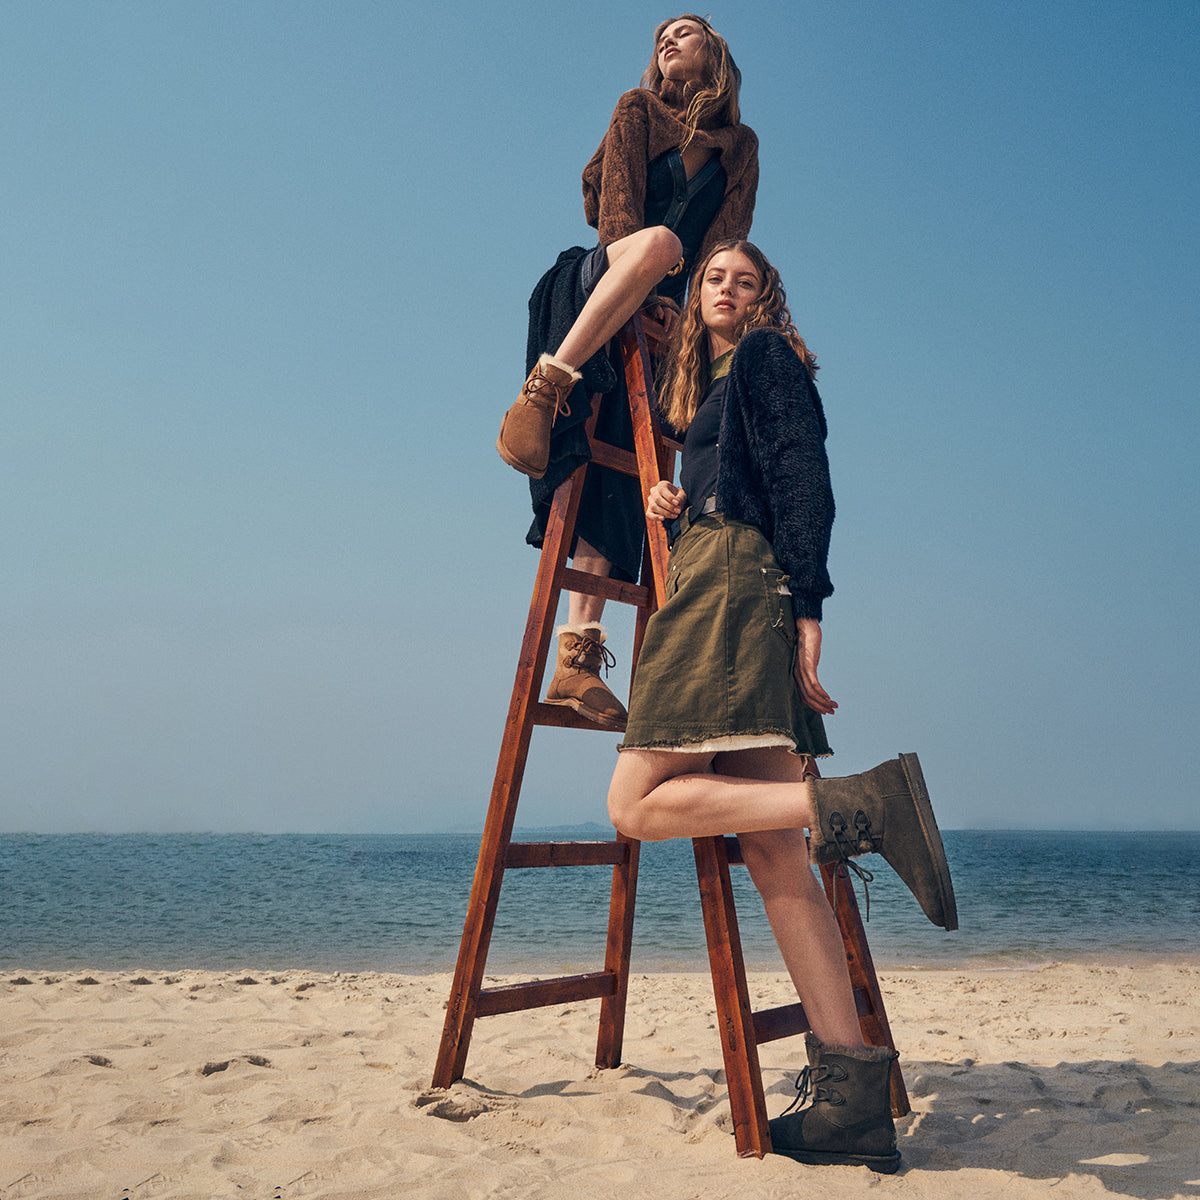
741 1029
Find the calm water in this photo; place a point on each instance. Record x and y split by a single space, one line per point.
396 903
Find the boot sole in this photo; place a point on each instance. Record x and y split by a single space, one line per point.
516 463
882 1164
591 713
933 839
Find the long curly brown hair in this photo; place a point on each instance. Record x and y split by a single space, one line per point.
715 102
685 378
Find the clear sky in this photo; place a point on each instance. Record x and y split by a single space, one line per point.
264 277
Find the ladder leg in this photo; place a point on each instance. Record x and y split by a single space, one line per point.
734 1016
611 1037
873 1022
506 789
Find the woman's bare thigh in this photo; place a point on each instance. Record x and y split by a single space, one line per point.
774 763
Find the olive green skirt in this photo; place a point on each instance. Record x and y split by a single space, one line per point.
715 669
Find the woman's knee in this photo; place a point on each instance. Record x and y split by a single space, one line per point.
623 802
665 248
654 250
625 811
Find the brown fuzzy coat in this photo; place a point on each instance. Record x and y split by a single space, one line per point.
644 126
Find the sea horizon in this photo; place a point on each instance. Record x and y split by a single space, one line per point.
396 903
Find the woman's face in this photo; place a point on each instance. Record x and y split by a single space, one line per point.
730 286
682 53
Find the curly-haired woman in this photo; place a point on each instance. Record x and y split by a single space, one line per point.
725 719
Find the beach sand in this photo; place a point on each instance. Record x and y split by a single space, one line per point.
1064 1080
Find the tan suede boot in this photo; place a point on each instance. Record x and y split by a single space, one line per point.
577 681
887 811
524 441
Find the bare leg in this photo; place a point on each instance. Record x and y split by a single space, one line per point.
804 926
635 264
660 794
583 609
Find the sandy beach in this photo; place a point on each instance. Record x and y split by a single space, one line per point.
1065 1080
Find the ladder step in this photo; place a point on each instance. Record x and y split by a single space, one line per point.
601 585
625 461
771 1024
567 854
606 455
516 997
562 717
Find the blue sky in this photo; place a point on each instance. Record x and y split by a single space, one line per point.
265 272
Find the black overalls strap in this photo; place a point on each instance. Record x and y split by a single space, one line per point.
686 189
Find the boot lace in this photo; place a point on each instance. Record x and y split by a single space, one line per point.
862 841
539 383
812 1080
600 654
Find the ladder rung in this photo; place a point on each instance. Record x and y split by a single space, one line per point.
771 1024
516 997
600 585
567 854
565 718
607 455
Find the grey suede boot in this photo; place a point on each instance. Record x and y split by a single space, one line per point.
886 810
850 1119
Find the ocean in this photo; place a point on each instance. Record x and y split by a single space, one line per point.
396 903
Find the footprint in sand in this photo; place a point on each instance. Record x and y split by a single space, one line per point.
450 1106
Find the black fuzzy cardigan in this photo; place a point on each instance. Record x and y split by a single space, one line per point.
773 471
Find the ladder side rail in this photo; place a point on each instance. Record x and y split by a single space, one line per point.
610 1036
743 1076
876 1029
735 1015
510 768
648 449
654 460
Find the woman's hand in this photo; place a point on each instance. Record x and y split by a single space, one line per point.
808 658
665 501
660 319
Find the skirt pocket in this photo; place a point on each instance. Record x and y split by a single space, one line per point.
777 598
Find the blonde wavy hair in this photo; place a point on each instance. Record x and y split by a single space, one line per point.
685 377
715 103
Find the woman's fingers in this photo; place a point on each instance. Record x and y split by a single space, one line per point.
808 658
665 501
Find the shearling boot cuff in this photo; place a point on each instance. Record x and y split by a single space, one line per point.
592 629
559 365
865 1054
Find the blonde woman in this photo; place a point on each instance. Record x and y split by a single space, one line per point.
676 172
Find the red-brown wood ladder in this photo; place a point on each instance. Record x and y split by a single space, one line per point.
741 1029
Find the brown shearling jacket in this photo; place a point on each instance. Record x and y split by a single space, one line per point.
644 126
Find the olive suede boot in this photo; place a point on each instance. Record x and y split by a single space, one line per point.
524 441
577 682
886 810
850 1119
